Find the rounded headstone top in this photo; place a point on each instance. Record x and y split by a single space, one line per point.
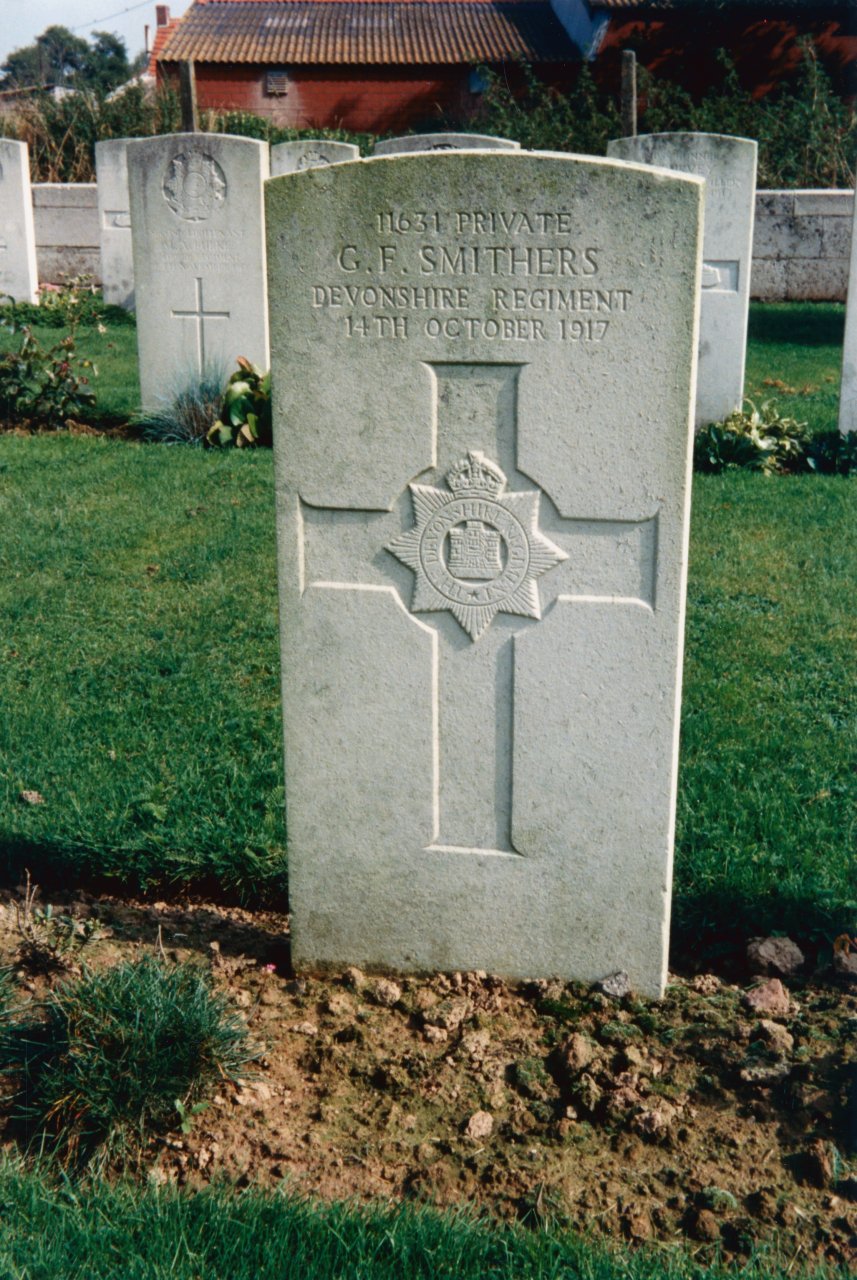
444 142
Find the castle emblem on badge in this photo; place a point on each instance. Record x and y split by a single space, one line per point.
475 549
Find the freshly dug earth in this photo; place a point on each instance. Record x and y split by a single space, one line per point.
692 1119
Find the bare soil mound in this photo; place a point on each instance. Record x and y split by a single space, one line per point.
698 1118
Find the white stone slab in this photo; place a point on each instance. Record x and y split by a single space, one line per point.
848 389
484 370
309 153
18 278
444 142
114 222
729 168
197 229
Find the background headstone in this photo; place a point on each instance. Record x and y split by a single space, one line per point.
483 368
114 222
197 227
18 278
848 388
729 168
309 153
444 142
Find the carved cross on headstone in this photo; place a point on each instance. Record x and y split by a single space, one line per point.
523 560
199 317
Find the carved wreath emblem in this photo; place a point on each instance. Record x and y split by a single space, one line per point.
194 186
476 550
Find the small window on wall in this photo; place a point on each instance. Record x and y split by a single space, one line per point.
477 81
277 82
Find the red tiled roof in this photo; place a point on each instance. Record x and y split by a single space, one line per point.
158 43
403 32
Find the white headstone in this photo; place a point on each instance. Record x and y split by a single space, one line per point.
197 226
729 168
444 142
309 153
483 370
18 277
848 389
114 222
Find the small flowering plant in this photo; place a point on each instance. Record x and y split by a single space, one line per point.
42 386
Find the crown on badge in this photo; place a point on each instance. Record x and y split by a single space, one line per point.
475 476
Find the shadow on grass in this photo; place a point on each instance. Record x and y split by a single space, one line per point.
711 931
57 866
803 324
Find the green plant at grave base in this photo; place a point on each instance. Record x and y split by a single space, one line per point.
109 1059
77 301
833 453
187 416
245 415
42 386
759 439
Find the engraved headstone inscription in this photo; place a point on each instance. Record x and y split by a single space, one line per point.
728 166
197 228
443 142
483 371
309 153
114 222
18 276
848 390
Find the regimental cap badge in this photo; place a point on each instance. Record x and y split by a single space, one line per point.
475 549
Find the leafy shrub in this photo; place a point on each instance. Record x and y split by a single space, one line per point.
109 1059
807 136
187 417
542 118
42 386
245 415
78 301
62 132
760 439
247 125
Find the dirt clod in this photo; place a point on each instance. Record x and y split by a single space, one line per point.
775 957
615 985
775 1035
386 992
480 1125
769 997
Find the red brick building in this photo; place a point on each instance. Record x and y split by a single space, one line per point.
393 65
376 65
679 40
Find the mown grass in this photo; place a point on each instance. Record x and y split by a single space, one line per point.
794 356
101 1232
138 663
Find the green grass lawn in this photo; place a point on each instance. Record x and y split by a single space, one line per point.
106 1232
794 356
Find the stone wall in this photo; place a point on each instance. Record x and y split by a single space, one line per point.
66 218
801 245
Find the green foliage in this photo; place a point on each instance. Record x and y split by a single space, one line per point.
77 302
60 58
42 386
245 415
60 1230
757 438
247 125
62 133
807 136
761 439
543 119
110 1059
187 415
